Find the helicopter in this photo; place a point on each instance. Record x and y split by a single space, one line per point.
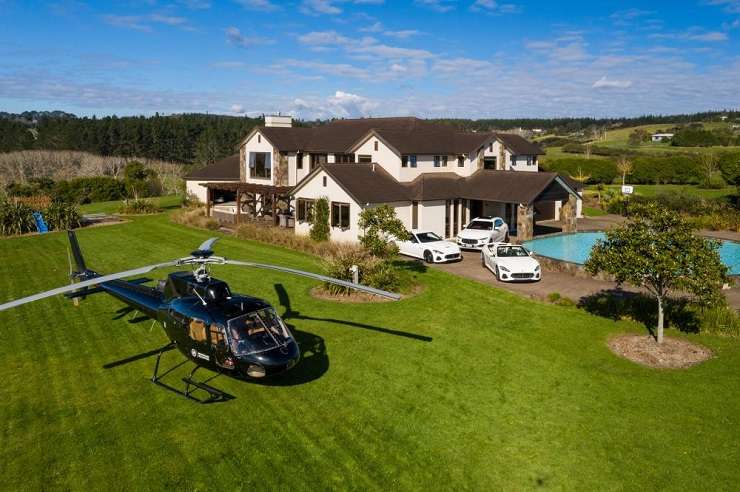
237 335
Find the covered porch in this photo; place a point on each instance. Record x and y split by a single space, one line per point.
236 203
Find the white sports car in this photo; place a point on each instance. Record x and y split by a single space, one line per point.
511 262
429 247
482 231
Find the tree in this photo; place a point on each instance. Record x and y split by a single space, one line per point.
378 224
580 176
657 250
624 166
137 178
710 168
320 220
637 137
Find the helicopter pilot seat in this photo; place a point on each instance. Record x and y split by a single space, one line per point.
198 330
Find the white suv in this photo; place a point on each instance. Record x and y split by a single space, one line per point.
482 231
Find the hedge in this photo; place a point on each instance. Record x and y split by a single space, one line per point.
599 170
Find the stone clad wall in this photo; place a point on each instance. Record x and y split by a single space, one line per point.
524 222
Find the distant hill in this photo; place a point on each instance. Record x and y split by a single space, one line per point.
32 117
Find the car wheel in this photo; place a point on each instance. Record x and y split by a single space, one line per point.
428 257
498 275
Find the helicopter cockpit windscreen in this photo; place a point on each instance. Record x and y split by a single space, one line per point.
257 332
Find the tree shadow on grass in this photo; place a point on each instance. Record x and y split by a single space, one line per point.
617 304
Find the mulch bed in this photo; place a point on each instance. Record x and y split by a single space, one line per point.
320 292
673 353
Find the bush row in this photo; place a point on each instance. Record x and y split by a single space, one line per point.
78 190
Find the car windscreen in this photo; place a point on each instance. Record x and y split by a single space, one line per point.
511 251
479 225
428 237
257 332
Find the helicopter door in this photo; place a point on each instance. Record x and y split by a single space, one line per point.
219 348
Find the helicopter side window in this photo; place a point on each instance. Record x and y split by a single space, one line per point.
197 330
258 331
218 337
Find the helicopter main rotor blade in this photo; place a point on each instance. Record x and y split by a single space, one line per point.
86 283
323 278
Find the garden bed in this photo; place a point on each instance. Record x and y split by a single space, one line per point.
673 353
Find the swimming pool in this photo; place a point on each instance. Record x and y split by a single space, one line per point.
576 248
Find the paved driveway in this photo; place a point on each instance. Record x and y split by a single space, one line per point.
565 284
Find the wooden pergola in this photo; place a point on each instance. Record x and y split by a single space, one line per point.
249 196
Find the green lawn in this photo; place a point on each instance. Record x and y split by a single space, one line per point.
165 202
509 394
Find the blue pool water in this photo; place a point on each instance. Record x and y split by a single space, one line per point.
576 248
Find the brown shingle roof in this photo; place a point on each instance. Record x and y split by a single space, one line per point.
370 183
226 169
367 183
407 135
519 145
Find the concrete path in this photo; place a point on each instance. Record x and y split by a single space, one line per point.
565 284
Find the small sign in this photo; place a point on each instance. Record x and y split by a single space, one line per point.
628 189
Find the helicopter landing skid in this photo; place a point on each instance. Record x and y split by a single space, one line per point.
191 385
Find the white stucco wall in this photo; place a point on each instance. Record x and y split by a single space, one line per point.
258 143
384 156
315 189
193 188
432 216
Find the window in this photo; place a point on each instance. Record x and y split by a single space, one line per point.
324 181
513 160
260 165
218 337
489 162
299 161
414 215
455 217
259 138
317 160
408 161
440 160
197 330
364 158
375 146
490 147
447 218
460 161
344 158
340 215
305 209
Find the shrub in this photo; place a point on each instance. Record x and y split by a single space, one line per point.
138 207
692 136
553 296
565 301
320 220
286 238
729 166
720 321
87 190
195 217
372 270
16 218
680 169
60 215
715 182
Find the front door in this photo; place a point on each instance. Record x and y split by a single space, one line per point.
220 352
476 209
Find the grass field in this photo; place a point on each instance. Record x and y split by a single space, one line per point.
652 190
508 394
112 207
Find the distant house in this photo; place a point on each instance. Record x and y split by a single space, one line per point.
661 137
434 176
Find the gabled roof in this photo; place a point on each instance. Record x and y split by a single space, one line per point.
365 182
226 169
406 135
370 183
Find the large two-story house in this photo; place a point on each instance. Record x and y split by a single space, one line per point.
435 177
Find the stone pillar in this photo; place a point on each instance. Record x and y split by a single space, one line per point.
208 202
524 222
242 164
568 215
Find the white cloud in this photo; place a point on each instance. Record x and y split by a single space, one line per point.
694 34
237 109
145 23
235 37
440 6
340 105
731 6
493 7
709 36
262 5
196 4
319 7
605 83
228 64
402 34
322 38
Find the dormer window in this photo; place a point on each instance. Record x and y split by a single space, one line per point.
259 138
376 145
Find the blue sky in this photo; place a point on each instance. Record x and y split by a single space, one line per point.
345 58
